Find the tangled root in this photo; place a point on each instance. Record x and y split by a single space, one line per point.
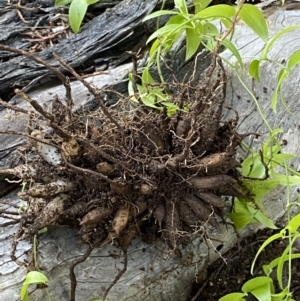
109 172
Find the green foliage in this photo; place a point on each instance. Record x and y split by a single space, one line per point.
284 71
261 175
77 11
199 29
32 277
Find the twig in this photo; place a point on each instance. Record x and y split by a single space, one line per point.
10 132
12 107
87 171
38 60
72 273
118 276
93 91
65 135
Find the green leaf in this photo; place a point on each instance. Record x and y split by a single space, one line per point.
256 283
275 262
210 29
294 224
281 159
35 277
162 31
233 297
270 43
32 277
253 167
293 60
62 2
192 42
263 219
254 69
280 266
200 5
229 45
160 13
240 219
90 2
146 77
181 5
216 11
286 180
154 48
262 293
262 247
255 19
283 74
261 188
282 295
77 12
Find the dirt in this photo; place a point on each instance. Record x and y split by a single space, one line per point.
229 273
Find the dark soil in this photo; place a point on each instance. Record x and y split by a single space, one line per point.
228 274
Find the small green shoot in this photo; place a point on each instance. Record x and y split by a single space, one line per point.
32 277
77 11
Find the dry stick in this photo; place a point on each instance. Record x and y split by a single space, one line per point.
38 60
93 91
211 68
119 274
12 107
47 115
87 171
9 132
134 57
72 267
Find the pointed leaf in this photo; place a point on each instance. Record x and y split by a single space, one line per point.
256 283
255 19
240 219
77 12
35 277
253 167
233 297
229 45
162 31
254 69
200 5
270 43
262 293
62 2
160 13
283 74
263 219
262 247
216 11
275 262
294 224
90 2
294 60
181 5
192 42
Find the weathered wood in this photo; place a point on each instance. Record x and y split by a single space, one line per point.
100 42
154 274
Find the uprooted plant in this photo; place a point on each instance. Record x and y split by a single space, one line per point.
107 172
